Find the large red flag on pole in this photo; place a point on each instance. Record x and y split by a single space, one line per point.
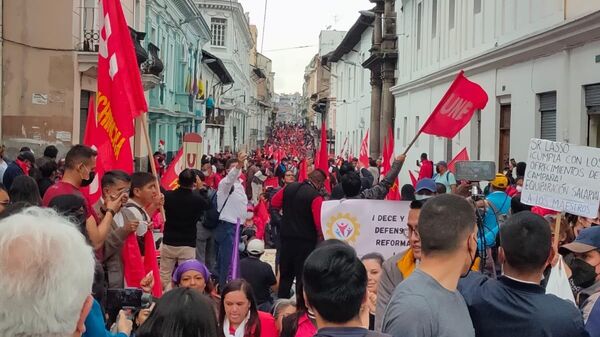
456 108
363 157
120 98
323 157
120 92
462 155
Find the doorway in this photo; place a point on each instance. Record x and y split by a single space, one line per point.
504 141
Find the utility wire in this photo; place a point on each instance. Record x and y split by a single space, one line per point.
291 48
262 40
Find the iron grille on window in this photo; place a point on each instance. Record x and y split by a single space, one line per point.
218 27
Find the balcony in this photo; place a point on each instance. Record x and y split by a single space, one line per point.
183 103
215 121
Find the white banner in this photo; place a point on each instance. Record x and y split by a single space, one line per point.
367 225
562 177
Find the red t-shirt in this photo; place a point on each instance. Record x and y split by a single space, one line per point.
426 170
64 188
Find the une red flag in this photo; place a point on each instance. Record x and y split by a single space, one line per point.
456 108
302 171
363 157
120 92
461 156
260 219
170 180
323 157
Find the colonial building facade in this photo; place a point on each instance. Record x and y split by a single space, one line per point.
538 62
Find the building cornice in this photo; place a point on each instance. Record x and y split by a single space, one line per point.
567 35
238 13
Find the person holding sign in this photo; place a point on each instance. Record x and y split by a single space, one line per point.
517 296
428 304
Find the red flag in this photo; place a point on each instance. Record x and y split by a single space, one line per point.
96 138
323 157
385 166
462 155
260 219
394 192
135 267
363 157
456 108
272 182
413 179
302 171
120 92
170 180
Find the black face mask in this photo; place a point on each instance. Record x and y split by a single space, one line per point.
584 274
88 181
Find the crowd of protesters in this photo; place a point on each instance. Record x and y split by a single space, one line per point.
477 264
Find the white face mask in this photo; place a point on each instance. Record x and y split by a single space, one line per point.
519 188
422 197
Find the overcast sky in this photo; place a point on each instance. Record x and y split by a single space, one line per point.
294 23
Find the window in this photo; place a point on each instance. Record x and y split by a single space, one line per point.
548 115
477 6
451 13
434 18
419 14
218 29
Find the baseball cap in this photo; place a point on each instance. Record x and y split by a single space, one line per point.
256 247
587 240
442 163
426 184
500 181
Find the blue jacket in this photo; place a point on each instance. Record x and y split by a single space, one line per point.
94 324
506 307
12 171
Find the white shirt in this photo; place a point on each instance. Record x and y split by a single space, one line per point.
237 205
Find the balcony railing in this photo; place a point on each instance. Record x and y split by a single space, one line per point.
90 27
218 121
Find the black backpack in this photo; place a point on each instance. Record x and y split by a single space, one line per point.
211 218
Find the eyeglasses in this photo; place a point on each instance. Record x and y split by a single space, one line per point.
409 233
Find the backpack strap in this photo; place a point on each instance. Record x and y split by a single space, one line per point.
225 203
141 210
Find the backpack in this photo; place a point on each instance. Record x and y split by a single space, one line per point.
211 218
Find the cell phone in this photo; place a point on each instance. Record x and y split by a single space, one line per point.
128 298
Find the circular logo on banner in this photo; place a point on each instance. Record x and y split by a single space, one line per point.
343 226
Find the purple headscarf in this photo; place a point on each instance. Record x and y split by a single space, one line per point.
191 265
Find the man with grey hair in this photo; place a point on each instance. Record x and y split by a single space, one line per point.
46 274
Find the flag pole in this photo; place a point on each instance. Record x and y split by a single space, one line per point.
412 143
144 123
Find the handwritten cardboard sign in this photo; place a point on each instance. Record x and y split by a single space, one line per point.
562 177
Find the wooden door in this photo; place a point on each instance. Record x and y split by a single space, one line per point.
504 144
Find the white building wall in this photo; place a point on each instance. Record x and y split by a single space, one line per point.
236 57
352 90
425 73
